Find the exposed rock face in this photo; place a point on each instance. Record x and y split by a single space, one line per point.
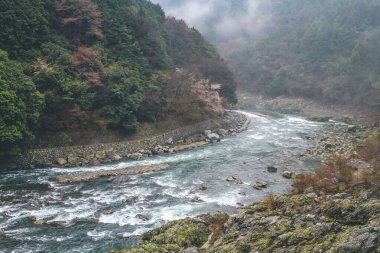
284 224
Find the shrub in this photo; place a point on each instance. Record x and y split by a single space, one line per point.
333 176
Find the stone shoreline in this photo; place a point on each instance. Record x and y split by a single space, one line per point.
192 136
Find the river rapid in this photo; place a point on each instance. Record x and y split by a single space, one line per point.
103 214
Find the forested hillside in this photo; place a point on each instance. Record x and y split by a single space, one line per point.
325 50
75 66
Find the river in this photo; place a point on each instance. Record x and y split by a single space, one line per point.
101 215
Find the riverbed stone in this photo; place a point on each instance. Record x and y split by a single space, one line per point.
100 154
108 212
259 185
117 158
142 217
61 161
271 169
287 174
234 179
72 159
132 199
39 222
202 187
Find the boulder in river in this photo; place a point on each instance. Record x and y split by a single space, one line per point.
271 169
202 187
234 179
259 185
142 217
132 200
39 222
196 199
287 174
108 212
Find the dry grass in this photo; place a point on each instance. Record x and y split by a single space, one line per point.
334 176
270 202
339 175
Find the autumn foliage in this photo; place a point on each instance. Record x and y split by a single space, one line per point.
191 93
81 19
85 60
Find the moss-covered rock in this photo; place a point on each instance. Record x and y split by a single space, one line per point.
278 224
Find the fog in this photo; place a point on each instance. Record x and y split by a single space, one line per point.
220 20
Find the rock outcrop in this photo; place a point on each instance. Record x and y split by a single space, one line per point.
279 224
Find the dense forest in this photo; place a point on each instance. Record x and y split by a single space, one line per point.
79 66
325 50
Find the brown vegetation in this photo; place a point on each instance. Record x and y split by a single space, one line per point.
85 60
190 94
338 174
81 19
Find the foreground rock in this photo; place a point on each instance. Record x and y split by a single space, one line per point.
279 224
128 171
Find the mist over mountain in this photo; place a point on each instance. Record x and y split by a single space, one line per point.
322 50
220 20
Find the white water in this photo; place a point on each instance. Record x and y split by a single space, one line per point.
74 212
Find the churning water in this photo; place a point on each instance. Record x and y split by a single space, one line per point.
74 214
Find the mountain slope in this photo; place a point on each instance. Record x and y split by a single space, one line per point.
103 65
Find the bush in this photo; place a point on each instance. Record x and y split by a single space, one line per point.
334 176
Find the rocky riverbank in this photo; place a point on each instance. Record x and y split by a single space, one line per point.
311 109
299 223
173 141
314 221
336 139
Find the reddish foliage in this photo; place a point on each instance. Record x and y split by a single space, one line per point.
334 176
85 59
81 18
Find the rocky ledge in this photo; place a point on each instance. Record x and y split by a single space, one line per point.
192 136
298 223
